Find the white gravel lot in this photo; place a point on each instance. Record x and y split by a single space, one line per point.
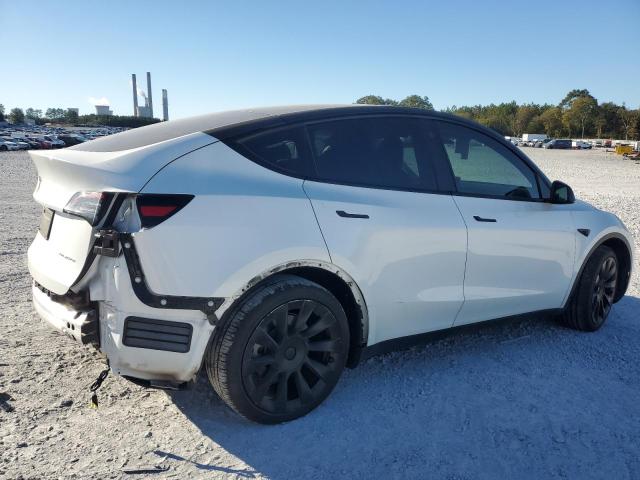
526 399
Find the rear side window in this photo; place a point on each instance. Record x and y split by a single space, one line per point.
378 152
482 166
284 150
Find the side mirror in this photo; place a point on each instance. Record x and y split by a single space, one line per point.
561 193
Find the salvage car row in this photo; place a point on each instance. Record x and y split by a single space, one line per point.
36 138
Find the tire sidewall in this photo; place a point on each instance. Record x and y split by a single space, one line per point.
587 284
250 314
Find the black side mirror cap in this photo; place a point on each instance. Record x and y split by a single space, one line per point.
561 193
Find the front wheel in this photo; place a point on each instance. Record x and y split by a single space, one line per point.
281 352
591 303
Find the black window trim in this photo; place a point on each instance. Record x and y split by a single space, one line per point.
537 173
439 163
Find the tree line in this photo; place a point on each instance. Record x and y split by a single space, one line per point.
578 115
71 117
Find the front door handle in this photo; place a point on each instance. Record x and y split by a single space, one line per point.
342 213
481 219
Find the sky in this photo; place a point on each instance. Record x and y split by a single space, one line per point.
214 55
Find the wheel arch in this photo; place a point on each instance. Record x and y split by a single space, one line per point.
329 276
620 245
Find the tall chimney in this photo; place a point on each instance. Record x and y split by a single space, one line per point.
135 95
149 94
165 105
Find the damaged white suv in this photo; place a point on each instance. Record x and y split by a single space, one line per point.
276 246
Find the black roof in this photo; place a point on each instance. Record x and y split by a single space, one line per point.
221 125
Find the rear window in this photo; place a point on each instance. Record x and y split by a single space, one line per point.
284 150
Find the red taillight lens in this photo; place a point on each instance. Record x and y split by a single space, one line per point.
89 205
156 208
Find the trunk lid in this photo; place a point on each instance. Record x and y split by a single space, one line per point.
58 254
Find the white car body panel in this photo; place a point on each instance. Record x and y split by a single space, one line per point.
235 199
408 258
521 263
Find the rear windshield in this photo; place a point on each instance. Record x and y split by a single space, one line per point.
140 137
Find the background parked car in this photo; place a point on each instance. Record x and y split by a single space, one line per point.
7 145
581 145
71 140
18 144
561 143
541 143
55 141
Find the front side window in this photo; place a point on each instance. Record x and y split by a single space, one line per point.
482 166
377 152
284 149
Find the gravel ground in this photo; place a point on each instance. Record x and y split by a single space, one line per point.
524 399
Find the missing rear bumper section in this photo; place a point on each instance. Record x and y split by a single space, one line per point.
109 242
81 325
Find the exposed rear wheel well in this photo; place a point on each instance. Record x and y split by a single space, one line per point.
624 267
342 291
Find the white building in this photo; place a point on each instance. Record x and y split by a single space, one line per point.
144 111
103 110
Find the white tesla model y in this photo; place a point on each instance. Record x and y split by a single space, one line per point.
276 246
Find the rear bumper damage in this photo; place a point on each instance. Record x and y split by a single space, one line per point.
81 325
159 340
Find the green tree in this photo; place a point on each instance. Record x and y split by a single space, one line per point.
71 116
580 114
16 116
607 121
523 118
634 131
627 119
1 112
551 119
54 113
416 101
567 101
375 100
33 113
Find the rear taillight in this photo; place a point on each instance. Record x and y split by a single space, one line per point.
89 205
156 208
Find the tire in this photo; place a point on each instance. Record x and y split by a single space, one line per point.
4 148
592 300
280 352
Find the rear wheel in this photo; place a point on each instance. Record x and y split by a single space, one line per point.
4 148
591 303
281 353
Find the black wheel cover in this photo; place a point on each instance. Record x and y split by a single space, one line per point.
293 358
604 290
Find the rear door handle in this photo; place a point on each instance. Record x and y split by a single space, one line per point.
481 219
342 213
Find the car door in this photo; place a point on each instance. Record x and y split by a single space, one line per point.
520 248
377 203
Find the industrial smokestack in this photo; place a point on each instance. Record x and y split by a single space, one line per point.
149 94
165 105
135 95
